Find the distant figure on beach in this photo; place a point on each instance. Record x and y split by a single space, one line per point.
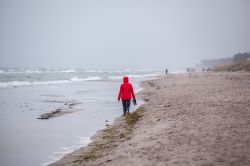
126 93
166 71
191 71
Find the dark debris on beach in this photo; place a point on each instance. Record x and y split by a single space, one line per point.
50 114
59 111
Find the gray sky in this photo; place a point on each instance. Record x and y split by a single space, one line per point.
106 34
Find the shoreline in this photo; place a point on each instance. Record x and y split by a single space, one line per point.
103 140
186 124
97 134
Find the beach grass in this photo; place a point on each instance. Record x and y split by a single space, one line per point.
241 66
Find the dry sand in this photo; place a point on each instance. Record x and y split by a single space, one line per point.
185 121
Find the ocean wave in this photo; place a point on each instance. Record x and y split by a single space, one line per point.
31 71
86 79
12 71
107 71
21 71
34 71
2 71
94 71
14 84
27 83
144 75
134 76
69 71
92 78
116 71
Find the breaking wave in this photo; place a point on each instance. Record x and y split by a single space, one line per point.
69 71
34 71
134 76
29 83
94 78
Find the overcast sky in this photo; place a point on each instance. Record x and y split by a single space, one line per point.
128 34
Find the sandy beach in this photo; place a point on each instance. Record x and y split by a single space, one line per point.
202 120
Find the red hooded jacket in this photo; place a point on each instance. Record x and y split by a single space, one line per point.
126 90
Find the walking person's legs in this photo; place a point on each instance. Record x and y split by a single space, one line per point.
126 105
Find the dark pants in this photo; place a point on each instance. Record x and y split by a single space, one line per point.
126 105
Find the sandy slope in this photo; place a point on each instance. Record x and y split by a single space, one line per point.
186 121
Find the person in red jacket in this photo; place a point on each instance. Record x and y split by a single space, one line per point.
126 93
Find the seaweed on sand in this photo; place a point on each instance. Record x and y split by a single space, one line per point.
111 137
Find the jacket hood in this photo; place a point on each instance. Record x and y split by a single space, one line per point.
125 79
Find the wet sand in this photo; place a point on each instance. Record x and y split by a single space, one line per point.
202 120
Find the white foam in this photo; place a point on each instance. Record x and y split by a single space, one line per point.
75 79
50 82
117 71
143 75
1 71
26 83
12 71
13 84
34 71
69 71
92 78
82 141
86 79
85 140
95 71
134 76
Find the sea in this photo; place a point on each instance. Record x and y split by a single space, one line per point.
88 98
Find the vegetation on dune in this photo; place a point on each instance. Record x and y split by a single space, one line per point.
235 63
241 66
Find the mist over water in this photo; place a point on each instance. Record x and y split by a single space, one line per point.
113 34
